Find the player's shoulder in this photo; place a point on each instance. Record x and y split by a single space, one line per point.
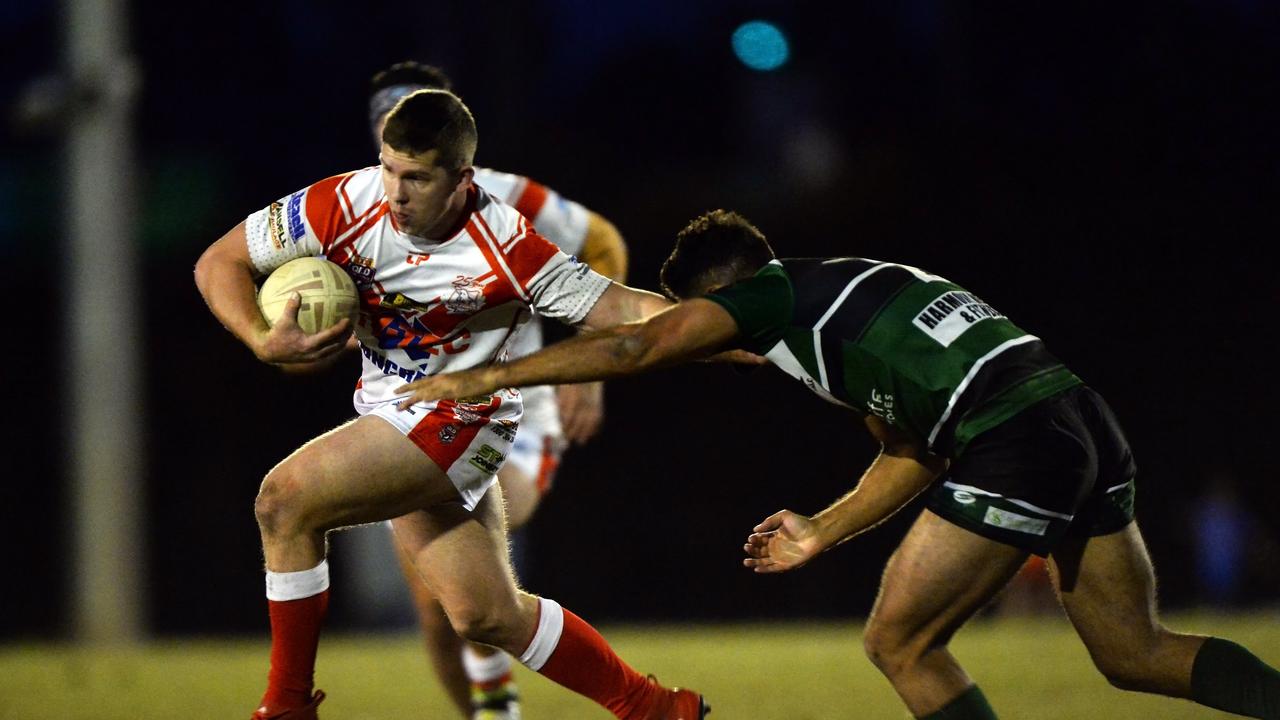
498 216
353 191
504 185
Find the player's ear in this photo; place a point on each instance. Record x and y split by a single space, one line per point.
465 177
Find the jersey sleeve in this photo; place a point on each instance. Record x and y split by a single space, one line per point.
761 305
304 224
564 287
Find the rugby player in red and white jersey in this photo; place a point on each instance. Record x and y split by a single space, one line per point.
447 275
478 678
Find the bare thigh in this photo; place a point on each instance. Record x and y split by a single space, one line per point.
463 558
937 579
1108 588
363 471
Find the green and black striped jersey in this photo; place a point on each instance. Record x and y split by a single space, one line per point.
896 342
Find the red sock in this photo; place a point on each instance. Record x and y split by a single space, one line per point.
295 634
583 662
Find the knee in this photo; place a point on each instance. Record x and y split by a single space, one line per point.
888 648
481 624
1129 667
278 506
1121 675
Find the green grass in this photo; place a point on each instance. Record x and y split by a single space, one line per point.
793 671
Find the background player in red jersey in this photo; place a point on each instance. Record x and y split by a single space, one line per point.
478 677
429 466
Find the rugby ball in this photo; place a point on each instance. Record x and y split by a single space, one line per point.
328 294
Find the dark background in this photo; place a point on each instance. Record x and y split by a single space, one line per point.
1104 173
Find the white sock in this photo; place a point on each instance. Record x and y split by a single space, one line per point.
482 669
298 585
545 640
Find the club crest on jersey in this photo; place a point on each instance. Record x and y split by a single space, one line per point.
448 433
361 269
467 296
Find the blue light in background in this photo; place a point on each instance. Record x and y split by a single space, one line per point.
761 45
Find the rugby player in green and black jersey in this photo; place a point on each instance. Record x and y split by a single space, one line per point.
1017 456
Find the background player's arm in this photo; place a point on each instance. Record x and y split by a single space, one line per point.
225 277
682 332
786 540
603 249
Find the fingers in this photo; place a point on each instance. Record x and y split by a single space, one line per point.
764 565
338 333
414 392
581 424
773 522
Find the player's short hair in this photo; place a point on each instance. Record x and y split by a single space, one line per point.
387 86
410 72
432 119
715 249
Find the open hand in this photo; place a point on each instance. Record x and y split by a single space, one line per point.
464 384
581 410
784 541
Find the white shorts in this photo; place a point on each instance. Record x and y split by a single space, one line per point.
540 441
468 441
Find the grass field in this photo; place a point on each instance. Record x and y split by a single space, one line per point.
783 671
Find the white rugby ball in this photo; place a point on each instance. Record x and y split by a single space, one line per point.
328 294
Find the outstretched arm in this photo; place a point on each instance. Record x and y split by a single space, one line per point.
787 540
685 331
582 404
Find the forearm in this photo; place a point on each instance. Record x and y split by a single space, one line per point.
592 355
890 483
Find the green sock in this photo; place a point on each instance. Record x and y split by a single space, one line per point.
971 705
1227 677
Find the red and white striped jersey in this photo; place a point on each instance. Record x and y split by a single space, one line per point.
558 219
425 307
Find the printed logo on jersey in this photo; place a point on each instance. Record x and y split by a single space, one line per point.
952 314
361 269
448 433
881 405
400 301
296 228
416 339
505 429
275 225
1015 521
488 460
416 259
467 297
469 414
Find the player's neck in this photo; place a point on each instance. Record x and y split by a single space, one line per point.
454 219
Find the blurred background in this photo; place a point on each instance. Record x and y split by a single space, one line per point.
1105 174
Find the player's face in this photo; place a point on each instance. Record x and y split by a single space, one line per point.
425 199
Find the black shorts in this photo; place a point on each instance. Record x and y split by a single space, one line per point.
1061 467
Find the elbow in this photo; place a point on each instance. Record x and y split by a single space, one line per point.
204 269
632 353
